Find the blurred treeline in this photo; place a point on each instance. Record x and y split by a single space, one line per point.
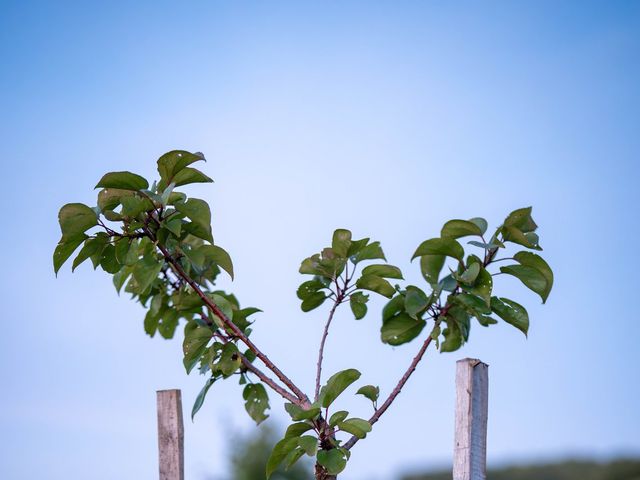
568 470
252 451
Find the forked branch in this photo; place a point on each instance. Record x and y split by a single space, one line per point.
302 399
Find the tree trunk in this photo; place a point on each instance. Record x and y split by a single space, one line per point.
321 474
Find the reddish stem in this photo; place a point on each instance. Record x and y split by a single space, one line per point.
392 396
303 399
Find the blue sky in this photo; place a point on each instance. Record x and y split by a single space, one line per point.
387 118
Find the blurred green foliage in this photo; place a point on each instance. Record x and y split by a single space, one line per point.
250 453
568 470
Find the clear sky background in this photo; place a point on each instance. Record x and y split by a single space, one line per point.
387 118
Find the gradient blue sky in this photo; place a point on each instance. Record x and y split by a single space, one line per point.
387 118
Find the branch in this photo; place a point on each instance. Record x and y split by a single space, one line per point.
414 363
259 373
341 295
322 342
303 399
392 396
262 376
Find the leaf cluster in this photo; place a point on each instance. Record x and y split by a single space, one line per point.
158 245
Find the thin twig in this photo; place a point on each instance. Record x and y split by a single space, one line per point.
392 396
414 363
322 342
502 259
255 370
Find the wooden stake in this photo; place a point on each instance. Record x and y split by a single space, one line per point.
170 435
470 443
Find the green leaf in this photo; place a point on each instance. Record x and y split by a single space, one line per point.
200 214
511 312
293 457
75 219
369 391
336 385
230 359
521 219
151 323
297 429
370 252
169 323
166 194
356 246
376 284
481 223
240 316
529 240
358 301
109 198
460 228
219 256
122 246
132 255
440 246
201 396
174 225
92 246
487 246
431 265
186 302
447 283
309 444
310 265
459 317
176 197
435 334
123 181
469 276
485 321
174 161
121 277
530 276
333 460
452 338
279 453
133 206
472 304
532 260
338 417
401 329
313 301
483 286
308 288
384 271
145 271
297 413
189 175
393 307
256 402
65 249
415 301
355 426
341 242
195 343
223 304
108 261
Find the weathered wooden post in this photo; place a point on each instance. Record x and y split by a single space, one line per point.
470 443
170 435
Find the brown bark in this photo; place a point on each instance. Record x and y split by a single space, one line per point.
321 473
